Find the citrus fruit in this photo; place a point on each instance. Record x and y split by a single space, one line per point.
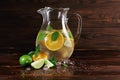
25 60
41 55
69 42
38 64
54 40
48 63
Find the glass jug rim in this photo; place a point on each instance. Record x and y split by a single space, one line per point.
52 8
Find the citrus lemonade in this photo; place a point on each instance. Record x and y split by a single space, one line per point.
56 43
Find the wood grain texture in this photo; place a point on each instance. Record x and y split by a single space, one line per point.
88 65
20 23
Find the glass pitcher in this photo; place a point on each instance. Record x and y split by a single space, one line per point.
55 37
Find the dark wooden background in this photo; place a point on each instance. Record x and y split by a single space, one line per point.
20 23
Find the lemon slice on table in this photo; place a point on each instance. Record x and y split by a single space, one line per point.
38 64
54 40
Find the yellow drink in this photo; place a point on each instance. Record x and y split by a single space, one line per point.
56 43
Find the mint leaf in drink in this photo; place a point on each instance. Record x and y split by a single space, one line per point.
37 50
41 36
54 36
49 28
70 34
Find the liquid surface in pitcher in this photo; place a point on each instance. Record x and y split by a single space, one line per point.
56 43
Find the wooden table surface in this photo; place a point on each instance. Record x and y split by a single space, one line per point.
89 65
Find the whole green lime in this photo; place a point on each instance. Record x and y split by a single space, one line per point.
24 60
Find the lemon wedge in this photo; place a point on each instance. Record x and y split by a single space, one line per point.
56 44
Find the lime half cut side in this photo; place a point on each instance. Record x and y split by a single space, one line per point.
48 63
38 64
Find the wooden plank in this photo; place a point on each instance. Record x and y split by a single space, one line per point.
99 14
100 22
89 65
91 38
100 38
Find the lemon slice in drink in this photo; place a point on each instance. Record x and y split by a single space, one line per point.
54 40
38 64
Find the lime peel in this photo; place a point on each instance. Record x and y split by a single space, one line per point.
38 64
48 63
24 60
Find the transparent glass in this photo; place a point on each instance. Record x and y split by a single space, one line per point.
55 37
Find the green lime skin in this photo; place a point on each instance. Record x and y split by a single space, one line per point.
25 60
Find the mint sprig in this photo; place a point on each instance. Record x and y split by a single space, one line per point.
54 36
37 50
70 34
65 65
53 60
31 53
49 28
41 35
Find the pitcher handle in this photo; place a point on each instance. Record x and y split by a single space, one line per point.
79 28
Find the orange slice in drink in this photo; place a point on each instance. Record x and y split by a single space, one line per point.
56 44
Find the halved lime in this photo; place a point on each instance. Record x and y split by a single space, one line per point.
48 63
38 64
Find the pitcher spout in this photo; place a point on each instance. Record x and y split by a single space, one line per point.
43 10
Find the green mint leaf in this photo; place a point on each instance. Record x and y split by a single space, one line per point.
41 35
65 65
53 60
70 34
55 36
31 53
49 28
37 50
